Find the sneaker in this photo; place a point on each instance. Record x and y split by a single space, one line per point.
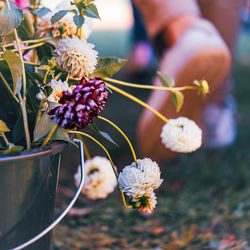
200 53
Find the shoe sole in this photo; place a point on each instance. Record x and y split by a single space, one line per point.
212 65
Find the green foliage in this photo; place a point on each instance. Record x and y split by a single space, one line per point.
59 15
13 150
44 126
165 80
78 20
178 99
3 127
26 29
41 12
103 134
45 51
108 66
15 65
92 11
10 19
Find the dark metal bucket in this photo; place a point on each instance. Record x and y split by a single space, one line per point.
27 198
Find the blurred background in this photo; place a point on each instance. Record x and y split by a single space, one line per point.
204 201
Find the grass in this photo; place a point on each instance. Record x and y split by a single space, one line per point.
204 202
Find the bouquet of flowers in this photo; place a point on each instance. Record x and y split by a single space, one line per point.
53 85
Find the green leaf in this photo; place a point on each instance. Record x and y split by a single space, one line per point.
45 51
18 132
108 66
92 11
108 89
3 127
78 20
165 80
33 81
59 15
10 19
79 7
42 12
178 99
60 135
74 11
15 65
26 29
103 134
44 126
13 150
19 85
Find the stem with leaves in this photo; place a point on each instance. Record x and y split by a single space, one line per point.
122 133
27 41
135 99
52 131
132 85
28 47
8 87
22 100
5 139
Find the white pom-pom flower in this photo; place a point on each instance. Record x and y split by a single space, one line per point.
75 56
57 90
139 181
181 135
145 203
100 179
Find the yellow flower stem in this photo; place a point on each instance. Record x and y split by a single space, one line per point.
135 99
122 133
50 135
141 86
8 87
22 103
107 153
28 47
45 76
5 138
31 63
28 41
58 76
22 62
22 100
85 149
67 77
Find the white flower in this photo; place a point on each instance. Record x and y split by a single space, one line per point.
76 56
57 90
138 181
145 203
181 135
100 179
40 96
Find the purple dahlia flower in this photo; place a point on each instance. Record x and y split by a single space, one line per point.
79 108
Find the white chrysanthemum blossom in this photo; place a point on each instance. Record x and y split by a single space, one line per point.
40 96
181 135
57 91
138 181
64 27
76 56
145 203
100 179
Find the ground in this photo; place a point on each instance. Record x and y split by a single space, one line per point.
203 203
